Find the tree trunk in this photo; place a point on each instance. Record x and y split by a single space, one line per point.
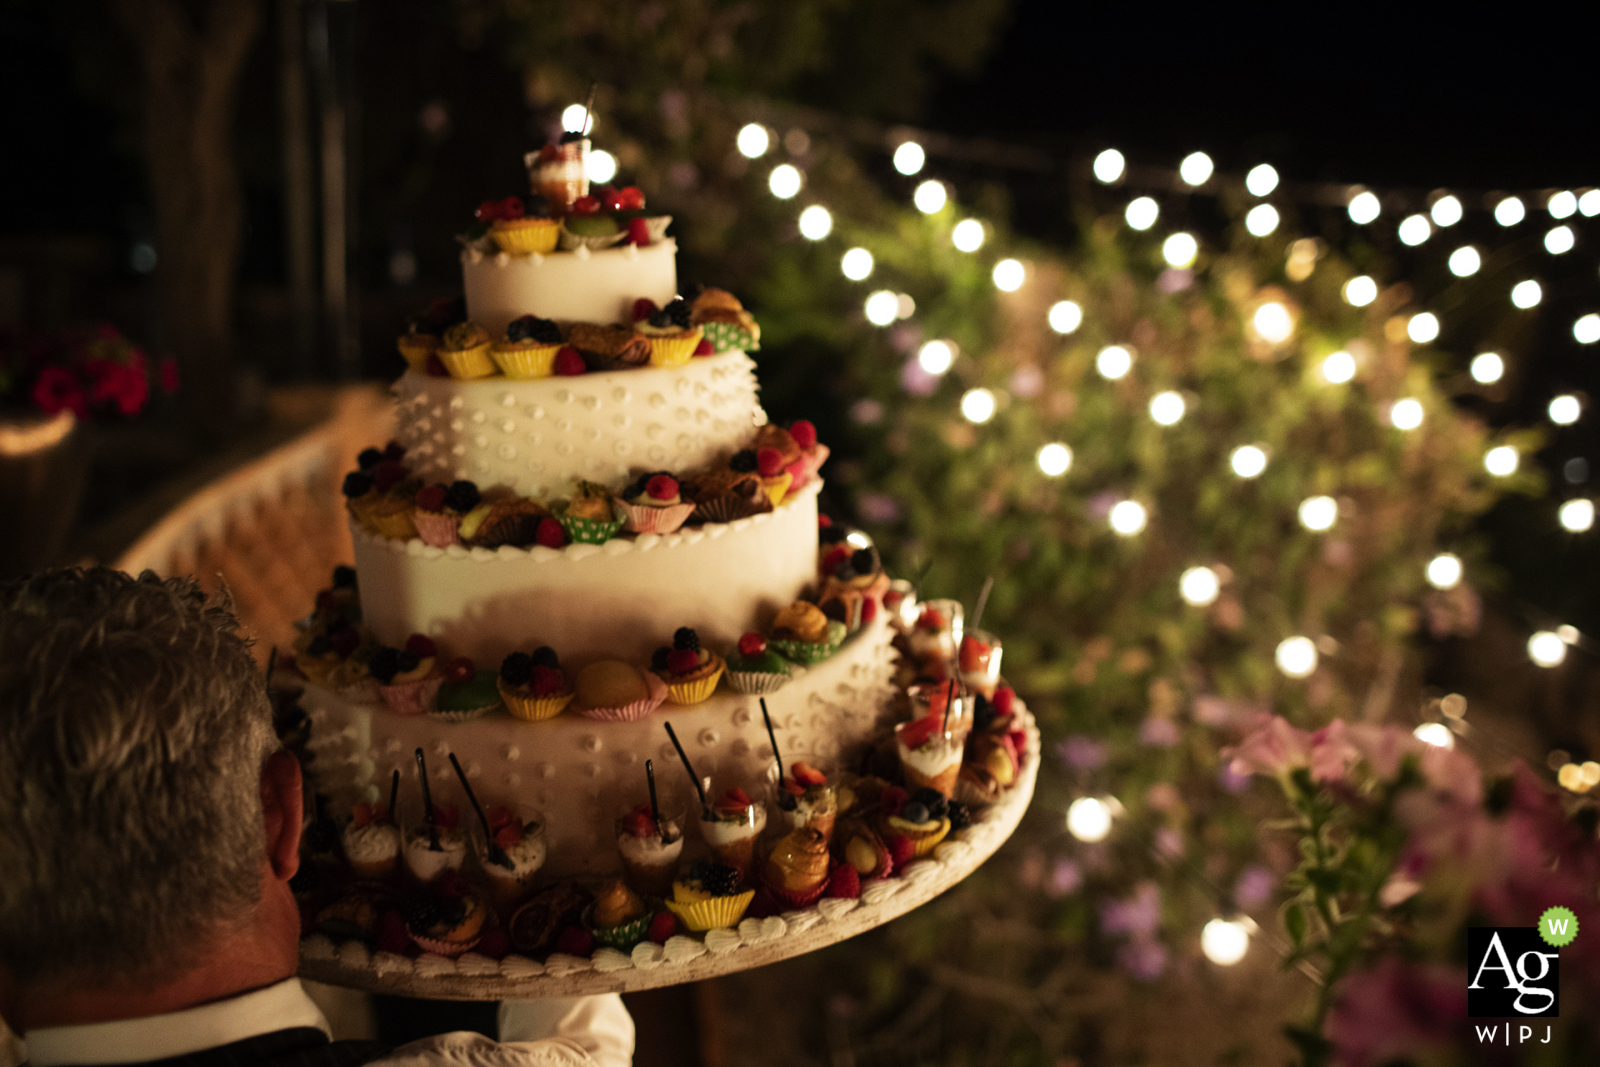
193 54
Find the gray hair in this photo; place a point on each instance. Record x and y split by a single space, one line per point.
133 726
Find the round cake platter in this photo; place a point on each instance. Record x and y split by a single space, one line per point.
686 958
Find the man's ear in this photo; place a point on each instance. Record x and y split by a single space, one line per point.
283 805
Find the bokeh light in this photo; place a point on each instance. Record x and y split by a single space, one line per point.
1109 165
1364 207
1586 331
1406 414
1142 213
601 166
882 308
967 235
977 405
1196 168
1488 368
1319 513
815 222
1577 516
1501 461
1262 179
1414 229
1339 368
930 197
573 116
1423 328
909 158
1465 261
1436 734
784 181
1561 205
753 141
1559 240
1248 461
1127 517
1547 649
936 357
1180 250
1360 291
1113 362
1009 274
1055 459
1444 571
1565 409
1065 316
1261 220
856 264
1272 322
1224 941
1167 408
1296 656
1526 294
1089 819
1510 211
1446 211
1199 586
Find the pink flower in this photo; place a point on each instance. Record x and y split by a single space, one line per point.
56 390
1395 1011
167 372
1332 752
1273 748
1384 747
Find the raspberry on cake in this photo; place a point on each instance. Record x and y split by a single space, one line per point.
533 685
689 671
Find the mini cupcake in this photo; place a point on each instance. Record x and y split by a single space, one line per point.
731 491
440 509
467 693
859 845
690 672
776 437
371 842
529 349
382 500
352 677
408 678
710 897
590 517
754 669
508 521
415 348
654 504
533 686
591 231
813 454
448 920
802 633
924 820
853 591
724 321
672 338
465 352
618 917
775 478
797 870
520 837
610 690
521 233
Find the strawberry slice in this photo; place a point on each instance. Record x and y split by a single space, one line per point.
806 774
916 734
638 823
499 815
752 644
733 800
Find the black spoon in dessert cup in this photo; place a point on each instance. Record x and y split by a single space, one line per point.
705 807
394 796
655 806
497 855
784 799
427 803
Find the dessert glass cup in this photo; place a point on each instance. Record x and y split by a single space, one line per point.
733 838
817 808
904 614
565 178
985 661
936 763
508 887
373 850
421 861
940 644
649 864
925 698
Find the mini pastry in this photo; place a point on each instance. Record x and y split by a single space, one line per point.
521 837
754 669
448 920
805 799
408 678
979 662
731 491
421 339
423 861
533 685
371 842
860 846
813 454
650 850
930 756
465 352
521 232
710 897
510 521
613 691
672 338
616 904
609 347
781 441
354 916
592 231
534 926
690 672
529 349
724 321
439 511
802 633
590 517
775 478
924 820
936 633
415 348
653 503
853 592
467 693
381 499
732 825
797 870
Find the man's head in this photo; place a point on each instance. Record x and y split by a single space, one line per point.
133 729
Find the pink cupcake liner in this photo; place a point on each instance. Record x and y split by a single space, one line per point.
806 467
631 712
412 698
365 691
448 949
436 529
799 900
642 518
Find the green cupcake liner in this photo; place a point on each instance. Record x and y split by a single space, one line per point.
622 937
589 531
726 336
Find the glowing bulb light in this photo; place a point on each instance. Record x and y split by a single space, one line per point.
784 181
856 264
1199 586
1128 517
1360 291
1488 368
1319 513
1406 414
1009 274
909 158
1248 461
1586 331
1576 516
753 141
1526 294
1414 230
1589 203
977 405
1446 211
1559 240
1273 322
1444 571
1180 250
936 357
1339 368
1547 649
1565 409
967 235
1261 180
1196 168
1261 220
1065 316
1423 328
573 116
1113 362
1501 462
1166 408
882 308
1142 213
1465 261
1561 205
815 223
1089 819
601 166
1109 165
1364 207
1436 734
930 197
1296 656
1054 459
1224 941
1509 211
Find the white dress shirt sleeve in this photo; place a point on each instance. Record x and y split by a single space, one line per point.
592 1031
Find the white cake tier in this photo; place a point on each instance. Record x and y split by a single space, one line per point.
583 774
537 436
579 286
617 600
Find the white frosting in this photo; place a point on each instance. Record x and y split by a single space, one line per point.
427 864
371 843
652 851
724 831
815 802
934 756
535 436
567 286
526 857
618 600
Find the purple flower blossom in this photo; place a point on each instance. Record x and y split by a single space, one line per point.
1081 753
1163 733
1169 843
1065 878
1230 782
1174 280
877 507
1100 504
1138 916
866 412
1144 959
1027 381
1254 887
916 381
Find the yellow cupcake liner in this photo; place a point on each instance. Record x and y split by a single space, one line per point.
698 690
416 352
535 709
715 913
674 351
468 363
923 844
396 525
522 237
777 487
523 363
